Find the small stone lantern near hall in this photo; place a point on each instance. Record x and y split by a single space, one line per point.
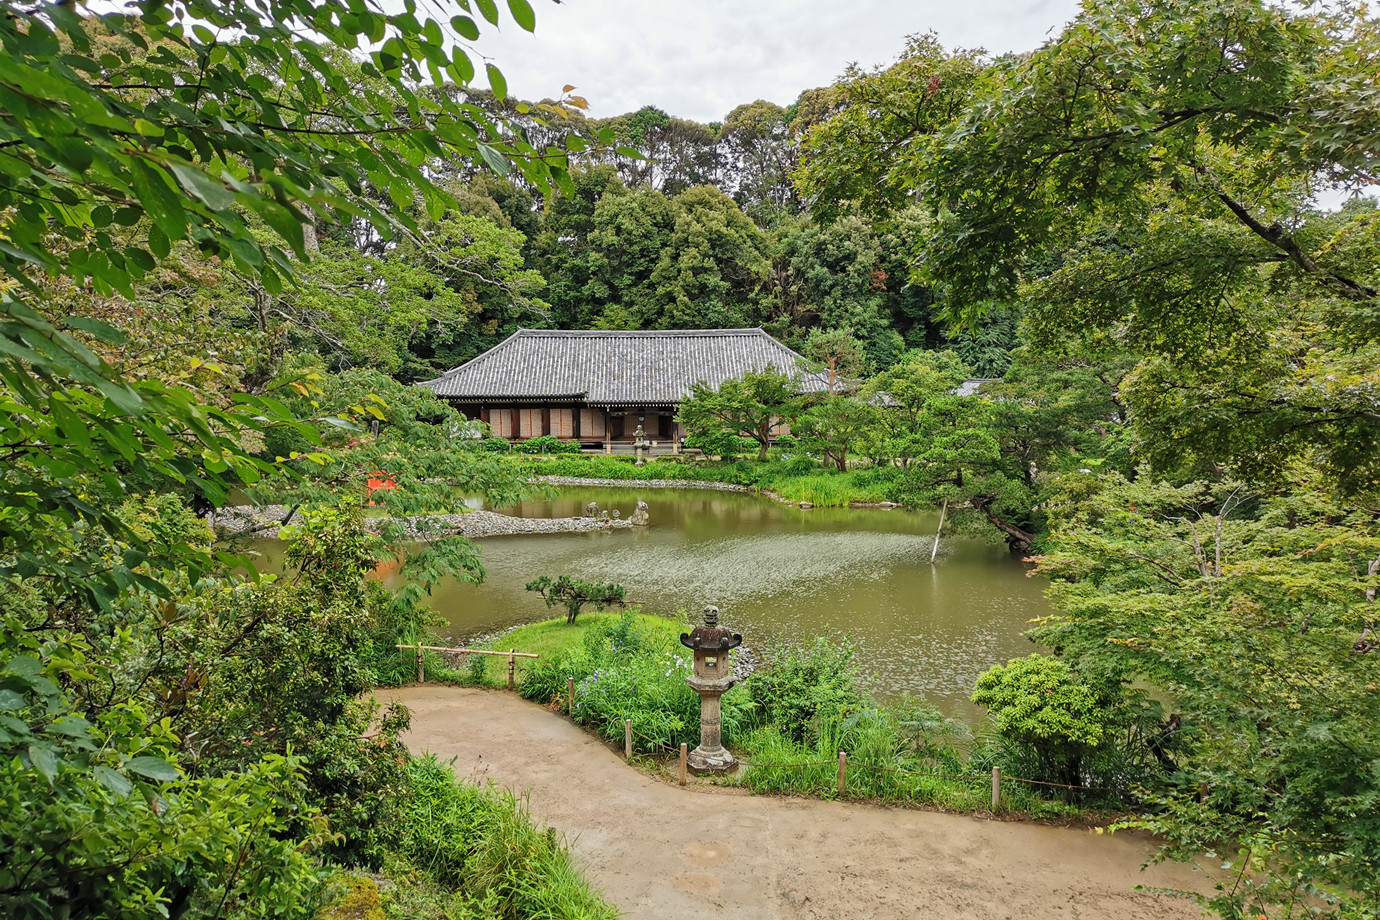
640 443
713 678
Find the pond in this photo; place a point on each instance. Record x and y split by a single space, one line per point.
777 571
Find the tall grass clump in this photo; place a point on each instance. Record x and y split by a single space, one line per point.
821 489
624 670
808 705
481 844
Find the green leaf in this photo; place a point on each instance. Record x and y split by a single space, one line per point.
72 726
155 768
466 26
44 761
112 780
101 330
488 9
201 186
11 700
523 14
496 162
497 82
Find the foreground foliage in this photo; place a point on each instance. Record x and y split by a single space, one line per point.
1249 608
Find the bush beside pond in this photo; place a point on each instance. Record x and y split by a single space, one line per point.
630 667
789 720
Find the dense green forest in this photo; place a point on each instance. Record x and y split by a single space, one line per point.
230 239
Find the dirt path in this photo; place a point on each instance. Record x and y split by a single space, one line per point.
661 852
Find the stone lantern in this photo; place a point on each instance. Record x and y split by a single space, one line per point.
641 443
713 678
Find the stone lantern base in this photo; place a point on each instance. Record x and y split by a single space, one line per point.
701 761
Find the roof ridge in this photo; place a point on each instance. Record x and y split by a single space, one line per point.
644 333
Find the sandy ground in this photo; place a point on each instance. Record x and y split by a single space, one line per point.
662 852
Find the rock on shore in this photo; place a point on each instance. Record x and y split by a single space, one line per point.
264 522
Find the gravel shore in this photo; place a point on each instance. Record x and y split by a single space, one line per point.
264 523
648 484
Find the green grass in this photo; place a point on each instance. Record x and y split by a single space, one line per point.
879 770
794 480
548 639
479 847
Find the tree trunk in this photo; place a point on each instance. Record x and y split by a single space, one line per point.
1019 540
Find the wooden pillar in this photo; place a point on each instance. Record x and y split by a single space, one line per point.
575 413
684 752
627 739
421 668
996 787
546 420
517 423
843 772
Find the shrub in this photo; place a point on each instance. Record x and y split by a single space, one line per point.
495 445
805 686
724 444
548 444
574 594
623 670
1040 703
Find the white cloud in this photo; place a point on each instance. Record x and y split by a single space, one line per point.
701 59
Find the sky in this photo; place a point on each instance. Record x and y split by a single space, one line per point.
700 59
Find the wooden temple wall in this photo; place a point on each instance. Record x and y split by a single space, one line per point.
583 423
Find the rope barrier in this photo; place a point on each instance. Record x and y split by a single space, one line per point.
1040 782
662 747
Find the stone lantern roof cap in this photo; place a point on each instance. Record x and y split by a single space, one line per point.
711 637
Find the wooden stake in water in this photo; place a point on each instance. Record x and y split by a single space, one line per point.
843 772
942 511
684 752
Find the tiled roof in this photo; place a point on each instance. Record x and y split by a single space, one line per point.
616 368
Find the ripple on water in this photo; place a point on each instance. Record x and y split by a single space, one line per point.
736 568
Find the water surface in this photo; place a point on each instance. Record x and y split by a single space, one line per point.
776 571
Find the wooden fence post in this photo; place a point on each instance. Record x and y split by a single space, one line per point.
512 667
570 696
684 751
627 739
996 787
421 669
843 772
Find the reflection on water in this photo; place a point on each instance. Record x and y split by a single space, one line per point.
777 572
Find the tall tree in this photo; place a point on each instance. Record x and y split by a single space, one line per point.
1144 182
711 272
750 406
198 123
759 153
862 134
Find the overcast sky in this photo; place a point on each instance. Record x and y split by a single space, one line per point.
699 59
